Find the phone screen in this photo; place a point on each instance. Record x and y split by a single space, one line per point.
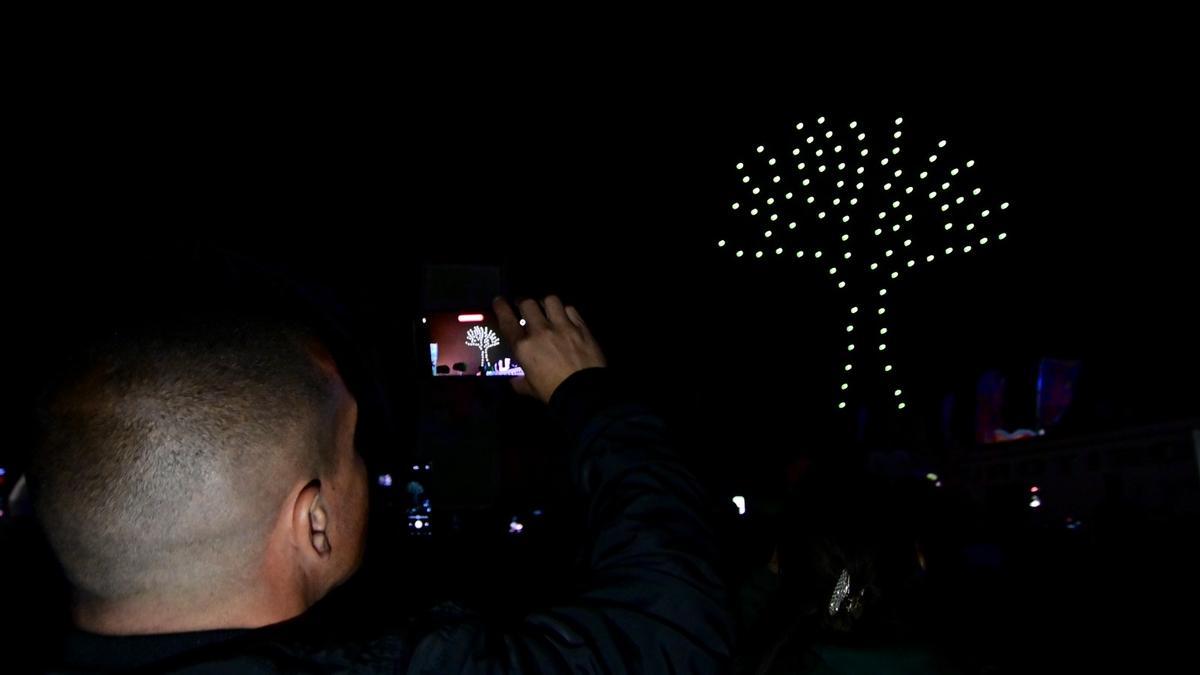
467 344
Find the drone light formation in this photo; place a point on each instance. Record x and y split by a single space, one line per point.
900 201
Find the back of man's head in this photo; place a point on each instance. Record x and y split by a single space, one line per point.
167 449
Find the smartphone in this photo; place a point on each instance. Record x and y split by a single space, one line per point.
467 344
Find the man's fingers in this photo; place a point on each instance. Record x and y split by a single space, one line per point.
575 318
532 312
521 386
510 325
555 312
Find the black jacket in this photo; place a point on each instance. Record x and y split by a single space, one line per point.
652 600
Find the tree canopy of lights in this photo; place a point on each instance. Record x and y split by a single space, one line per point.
483 338
889 211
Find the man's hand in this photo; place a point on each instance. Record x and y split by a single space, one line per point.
553 345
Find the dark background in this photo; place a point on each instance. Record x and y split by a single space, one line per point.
609 184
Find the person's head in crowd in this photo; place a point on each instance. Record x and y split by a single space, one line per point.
199 471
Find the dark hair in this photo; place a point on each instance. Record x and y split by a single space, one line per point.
166 447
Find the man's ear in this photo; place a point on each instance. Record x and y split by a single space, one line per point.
310 520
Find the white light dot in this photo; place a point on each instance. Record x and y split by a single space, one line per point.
721 243
853 124
882 311
809 139
945 207
924 174
907 217
949 250
767 234
770 200
842 405
896 228
740 166
985 213
845 386
874 266
908 190
799 254
800 166
841 284
949 226
837 148
882 291
850 347
983 241
882 347
811 199
897 392
887 369
821 214
970 226
895 205
817 254
902 405
842 166
759 149
847 256
1004 206
895 151
819 152
736 206
854 310
792 226
841 183
755 190
1002 236
799 126
828 134
887 186
845 219
888 253
933 158
897 134
883 162
976 191
882 215
929 258
754 212
861 136
820 120
745 179
833 270
941 144
899 120
795 151
945 186
908 242
967 248
845 237
895 274
959 200
912 262
970 163
778 251
821 169
771 162
883 331
758 254
954 172
864 152
741 253
787 196
933 194
775 179
860 170
805 182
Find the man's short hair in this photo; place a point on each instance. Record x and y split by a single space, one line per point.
166 451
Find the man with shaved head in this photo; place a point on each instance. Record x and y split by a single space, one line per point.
198 481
